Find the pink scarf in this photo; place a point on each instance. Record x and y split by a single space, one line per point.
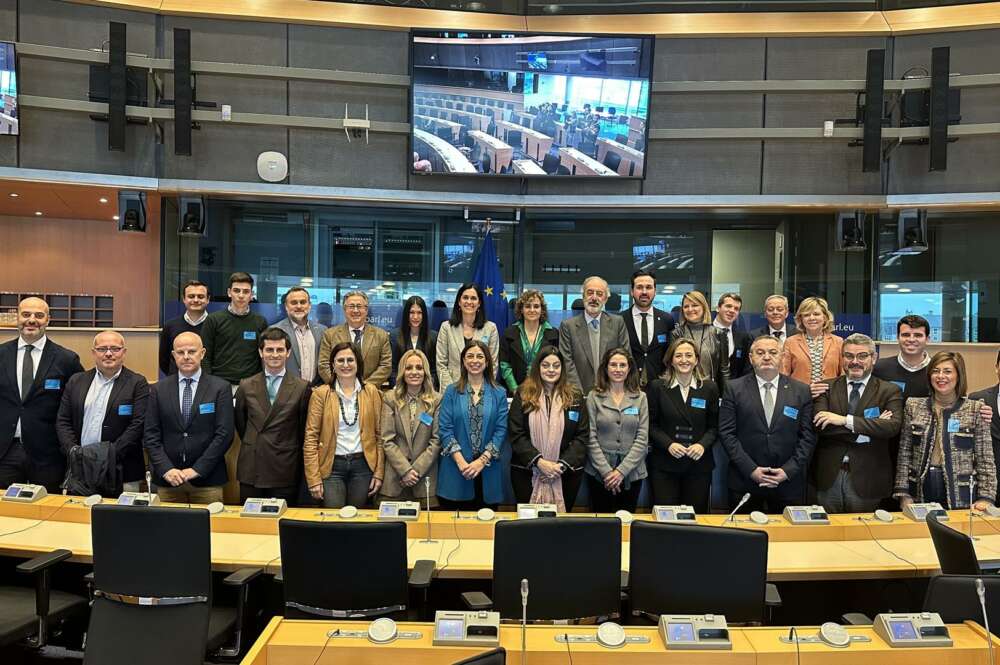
546 427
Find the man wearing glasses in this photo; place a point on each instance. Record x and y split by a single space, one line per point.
856 419
372 341
230 335
101 417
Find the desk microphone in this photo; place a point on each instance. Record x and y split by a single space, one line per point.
427 495
981 592
149 487
732 515
524 619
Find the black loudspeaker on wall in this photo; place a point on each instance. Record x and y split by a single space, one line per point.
183 94
192 220
132 211
940 66
874 92
117 87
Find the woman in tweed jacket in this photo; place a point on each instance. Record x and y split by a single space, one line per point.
945 450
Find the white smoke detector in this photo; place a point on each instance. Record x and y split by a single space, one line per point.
272 166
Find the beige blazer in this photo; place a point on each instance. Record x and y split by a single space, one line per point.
795 357
321 433
376 353
407 449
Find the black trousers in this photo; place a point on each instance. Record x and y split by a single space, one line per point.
475 503
16 466
520 478
290 494
671 488
603 501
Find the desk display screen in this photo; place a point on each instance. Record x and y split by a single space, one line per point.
798 514
387 510
665 514
451 629
680 632
11 491
919 513
252 507
126 500
903 630
529 105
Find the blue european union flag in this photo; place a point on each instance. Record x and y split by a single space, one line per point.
487 275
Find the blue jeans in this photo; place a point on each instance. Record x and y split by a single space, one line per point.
348 482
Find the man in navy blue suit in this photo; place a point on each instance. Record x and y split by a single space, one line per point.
765 422
34 374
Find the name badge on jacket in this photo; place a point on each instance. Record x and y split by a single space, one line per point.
124 409
791 412
953 425
661 338
901 385
250 335
426 419
631 411
573 415
739 353
697 403
873 412
52 384
206 408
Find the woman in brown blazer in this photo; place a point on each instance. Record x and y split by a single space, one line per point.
344 461
814 353
410 433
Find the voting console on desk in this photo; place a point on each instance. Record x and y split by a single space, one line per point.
527 511
920 629
459 629
695 631
806 515
138 499
674 514
264 508
918 512
399 510
24 493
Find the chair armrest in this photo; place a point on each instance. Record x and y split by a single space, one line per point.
856 619
771 596
43 561
242 576
89 578
422 573
624 581
279 577
477 600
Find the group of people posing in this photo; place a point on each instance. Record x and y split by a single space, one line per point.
354 414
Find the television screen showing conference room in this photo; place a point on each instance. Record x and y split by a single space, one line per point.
8 89
529 105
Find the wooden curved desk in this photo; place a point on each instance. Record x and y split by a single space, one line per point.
450 156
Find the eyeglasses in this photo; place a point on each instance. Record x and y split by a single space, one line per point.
763 353
861 357
105 349
345 361
355 306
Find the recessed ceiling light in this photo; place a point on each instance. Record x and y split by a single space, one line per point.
115 217
14 195
906 291
451 289
103 199
38 213
891 286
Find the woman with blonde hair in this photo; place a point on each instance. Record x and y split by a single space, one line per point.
410 432
710 341
814 354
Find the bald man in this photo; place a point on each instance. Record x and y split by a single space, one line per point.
33 375
101 418
189 428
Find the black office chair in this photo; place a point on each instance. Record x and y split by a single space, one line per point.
621 138
674 569
496 656
514 139
33 613
444 133
599 109
955 552
572 564
562 170
347 570
550 163
588 147
954 597
611 112
612 160
177 576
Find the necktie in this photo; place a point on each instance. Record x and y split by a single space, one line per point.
272 391
27 371
186 399
645 330
855 397
594 323
778 333
357 338
768 402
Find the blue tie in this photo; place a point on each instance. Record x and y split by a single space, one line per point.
271 390
186 399
594 323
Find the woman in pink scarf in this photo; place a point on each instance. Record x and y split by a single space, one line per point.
548 428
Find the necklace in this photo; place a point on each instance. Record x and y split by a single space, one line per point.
343 410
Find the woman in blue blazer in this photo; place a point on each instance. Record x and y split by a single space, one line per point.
472 424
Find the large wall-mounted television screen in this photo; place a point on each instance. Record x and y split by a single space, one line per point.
8 89
529 105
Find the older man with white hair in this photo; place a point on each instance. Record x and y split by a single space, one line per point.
585 338
104 407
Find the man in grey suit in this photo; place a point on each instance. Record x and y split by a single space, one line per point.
584 339
305 335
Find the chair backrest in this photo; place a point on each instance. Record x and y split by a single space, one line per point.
955 552
621 138
444 133
550 163
343 569
691 569
514 139
572 564
612 160
562 170
496 656
954 597
122 633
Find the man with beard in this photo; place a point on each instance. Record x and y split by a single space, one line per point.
585 338
648 328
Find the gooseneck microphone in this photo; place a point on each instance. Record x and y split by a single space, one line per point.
427 495
981 592
524 620
732 515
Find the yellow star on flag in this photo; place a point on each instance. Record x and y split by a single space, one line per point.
489 290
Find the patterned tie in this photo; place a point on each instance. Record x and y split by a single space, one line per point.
855 397
644 340
778 333
186 399
272 391
27 371
768 402
357 338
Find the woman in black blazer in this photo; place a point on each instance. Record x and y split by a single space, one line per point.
548 426
683 426
413 333
522 340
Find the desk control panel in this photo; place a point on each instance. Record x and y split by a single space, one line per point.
806 515
138 499
674 514
407 511
609 635
695 631
918 512
920 629
264 508
527 511
459 629
24 493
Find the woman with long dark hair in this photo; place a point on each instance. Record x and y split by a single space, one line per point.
467 323
414 333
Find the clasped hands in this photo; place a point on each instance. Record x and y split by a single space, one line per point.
679 450
470 470
765 476
177 477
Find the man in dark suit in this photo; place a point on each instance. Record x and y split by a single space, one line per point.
271 410
737 341
305 335
585 338
106 405
648 328
856 419
195 298
189 428
776 313
765 422
34 374
991 398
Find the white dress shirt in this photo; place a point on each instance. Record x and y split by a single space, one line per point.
201 319
695 383
761 391
850 418
650 323
195 378
94 407
729 335
36 357
348 436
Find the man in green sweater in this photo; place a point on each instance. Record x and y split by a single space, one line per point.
230 335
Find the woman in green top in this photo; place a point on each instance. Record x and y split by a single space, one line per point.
521 341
